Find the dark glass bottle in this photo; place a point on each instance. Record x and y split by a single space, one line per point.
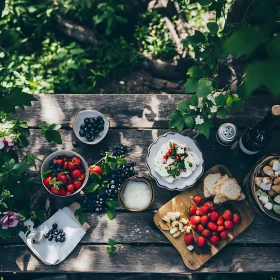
258 135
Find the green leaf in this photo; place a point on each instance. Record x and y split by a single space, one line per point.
222 112
24 125
53 136
184 106
92 187
197 39
121 161
220 100
213 27
204 2
111 242
95 177
191 85
111 213
234 102
5 233
194 100
204 88
245 40
189 121
194 72
176 121
108 249
205 127
111 203
54 126
19 168
273 47
40 215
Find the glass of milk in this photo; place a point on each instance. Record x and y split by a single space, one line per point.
136 194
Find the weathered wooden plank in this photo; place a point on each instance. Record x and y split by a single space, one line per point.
131 111
136 259
139 228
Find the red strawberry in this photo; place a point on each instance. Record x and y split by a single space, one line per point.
194 227
220 221
214 216
65 166
194 220
200 227
229 225
201 241
70 188
82 178
206 233
71 166
65 158
214 240
61 191
191 210
204 220
203 210
60 162
62 178
67 193
236 219
227 215
54 190
220 228
224 234
47 182
197 212
210 205
95 169
212 226
76 173
189 239
77 160
70 180
77 184
197 199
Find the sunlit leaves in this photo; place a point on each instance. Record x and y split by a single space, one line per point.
50 132
233 102
191 85
204 88
197 38
176 121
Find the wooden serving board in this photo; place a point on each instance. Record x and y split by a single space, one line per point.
199 256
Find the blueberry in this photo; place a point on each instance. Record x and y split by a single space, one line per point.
57 239
60 231
82 133
54 226
75 144
89 126
55 164
50 238
47 235
62 239
86 120
55 232
83 126
86 129
51 165
100 127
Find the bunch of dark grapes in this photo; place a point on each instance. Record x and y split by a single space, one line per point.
91 128
119 150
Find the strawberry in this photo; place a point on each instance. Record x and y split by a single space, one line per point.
194 227
70 188
82 178
227 215
214 240
204 220
228 225
60 162
54 190
210 205
206 233
194 220
212 226
197 199
236 218
214 216
47 182
71 166
201 241
200 227
220 221
67 193
197 212
220 228
76 173
95 169
191 210
77 184
62 178
189 239
65 158
224 234
77 160
203 210
65 166
61 191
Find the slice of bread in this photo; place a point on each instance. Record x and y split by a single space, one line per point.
209 184
219 183
206 193
242 196
229 189
218 200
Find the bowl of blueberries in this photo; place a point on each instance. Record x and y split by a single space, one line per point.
90 126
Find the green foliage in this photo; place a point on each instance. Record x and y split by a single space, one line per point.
81 215
255 40
153 37
51 132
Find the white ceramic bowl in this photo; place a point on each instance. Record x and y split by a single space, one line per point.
45 167
182 183
79 120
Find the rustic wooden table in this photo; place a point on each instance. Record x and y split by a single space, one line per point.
137 120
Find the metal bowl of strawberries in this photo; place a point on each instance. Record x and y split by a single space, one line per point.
64 173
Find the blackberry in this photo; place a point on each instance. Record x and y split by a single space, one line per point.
54 226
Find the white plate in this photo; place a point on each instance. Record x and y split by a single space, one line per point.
79 120
182 183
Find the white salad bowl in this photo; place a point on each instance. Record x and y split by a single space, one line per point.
178 184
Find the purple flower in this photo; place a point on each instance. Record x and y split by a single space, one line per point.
10 219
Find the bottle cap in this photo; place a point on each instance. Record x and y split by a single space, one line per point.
276 110
227 134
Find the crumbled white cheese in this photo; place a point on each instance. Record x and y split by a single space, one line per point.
276 165
265 187
277 173
268 206
190 247
277 199
263 199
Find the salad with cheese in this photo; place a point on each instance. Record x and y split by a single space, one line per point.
175 160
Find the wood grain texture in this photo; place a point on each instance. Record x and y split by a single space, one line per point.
199 256
131 111
137 259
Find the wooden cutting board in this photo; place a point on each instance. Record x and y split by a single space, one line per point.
199 256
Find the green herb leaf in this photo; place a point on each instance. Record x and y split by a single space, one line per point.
191 85
19 168
92 187
111 203
213 27
111 213
204 88
234 102
189 121
53 136
111 242
121 161
176 121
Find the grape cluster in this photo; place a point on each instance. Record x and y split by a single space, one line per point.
119 150
117 177
91 128
57 234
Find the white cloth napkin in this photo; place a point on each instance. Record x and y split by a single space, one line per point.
51 252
